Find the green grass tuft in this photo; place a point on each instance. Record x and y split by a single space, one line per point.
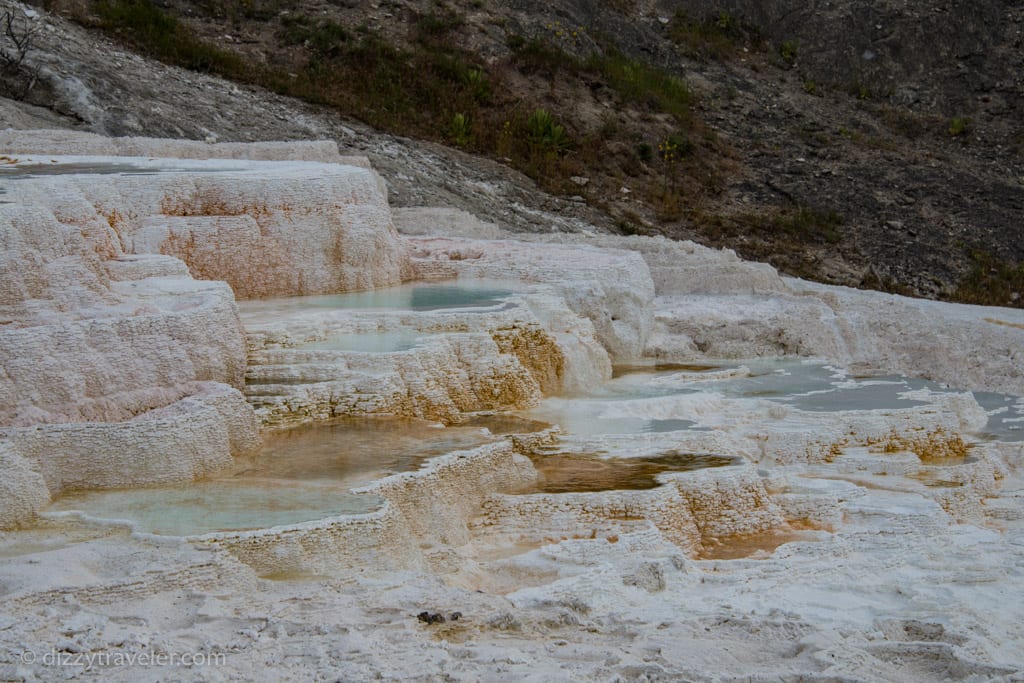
992 281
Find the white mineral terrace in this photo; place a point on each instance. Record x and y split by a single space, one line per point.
255 425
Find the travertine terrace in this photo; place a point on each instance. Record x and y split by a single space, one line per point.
672 464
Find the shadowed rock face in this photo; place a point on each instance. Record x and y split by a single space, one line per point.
916 54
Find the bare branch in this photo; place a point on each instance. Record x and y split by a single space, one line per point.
17 35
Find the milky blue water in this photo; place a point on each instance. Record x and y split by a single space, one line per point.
416 296
218 505
305 473
299 475
1006 416
629 403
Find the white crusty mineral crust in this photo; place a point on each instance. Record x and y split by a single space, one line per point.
969 347
455 374
23 490
425 509
676 267
684 267
431 221
106 339
66 142
585 361
501 359
183 441
136 355
713 304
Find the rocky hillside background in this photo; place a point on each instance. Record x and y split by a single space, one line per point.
871 144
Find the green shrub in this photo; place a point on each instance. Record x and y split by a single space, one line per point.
635 81
515 42
431 29
905 123
808 224
460 129
959 126
787 50
991 281
716 36
645 152
478 84
544 135
641 83
153 31
681 144
324 39
538 57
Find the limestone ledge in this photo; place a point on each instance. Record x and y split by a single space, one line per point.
110 363
23 491
812 503
812 437
689 509
266 228
429 507
459 497
769 432
586 363
329 547
652 444
676 267
181 442
970 347
502 359
460 373
134 569
696 510
611 287
962 486
681 268
65 142
712 304
110 349
439 221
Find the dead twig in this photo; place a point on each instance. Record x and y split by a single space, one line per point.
16 42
